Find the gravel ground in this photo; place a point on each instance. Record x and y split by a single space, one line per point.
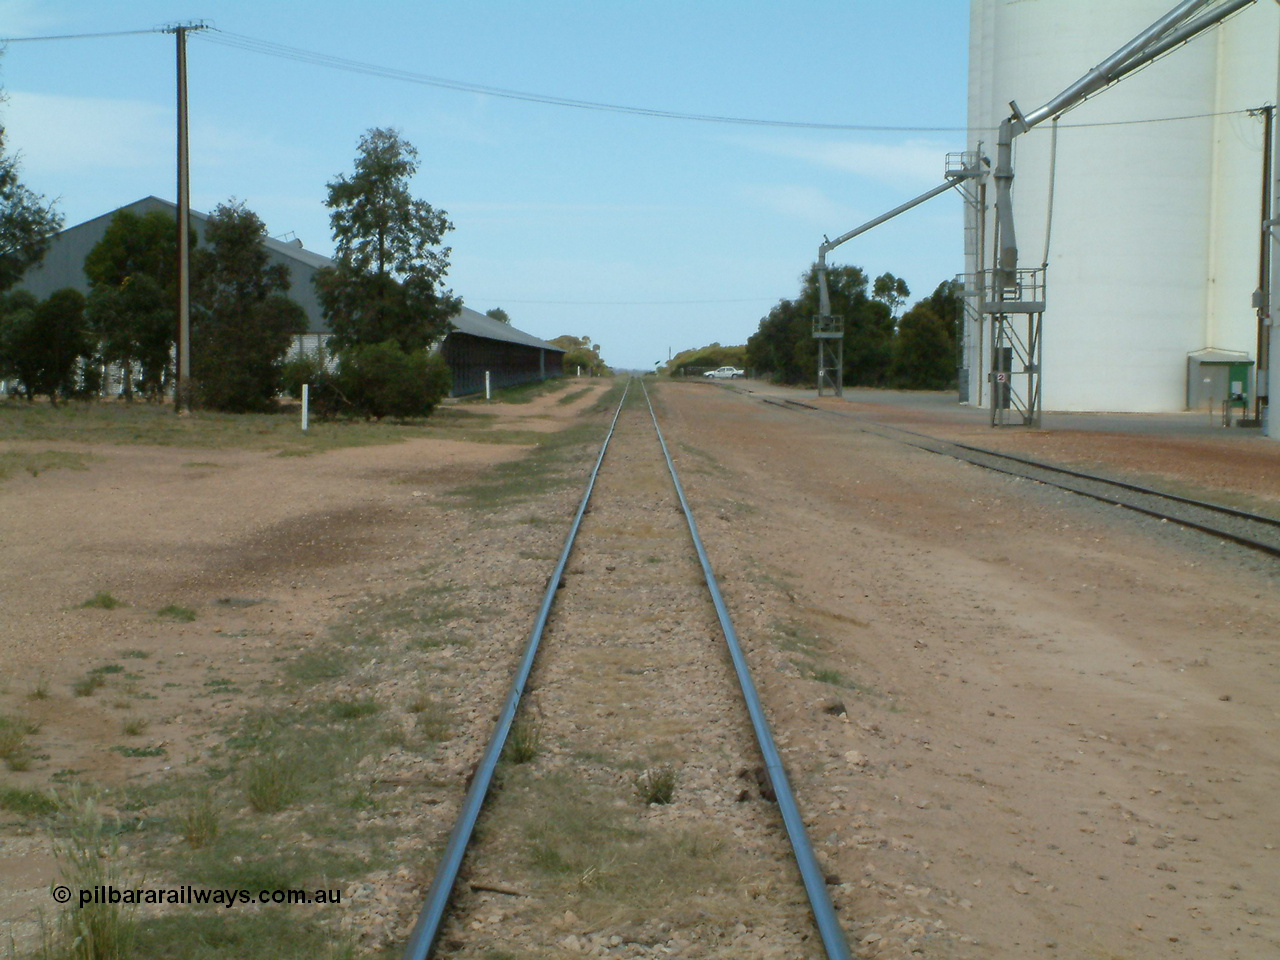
632 683
1020 725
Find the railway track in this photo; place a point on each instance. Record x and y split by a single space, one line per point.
626 689
1251 530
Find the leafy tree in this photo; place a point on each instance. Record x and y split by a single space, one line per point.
133 325
306 367
27 222
891 291
41 343
132 309
924 355
242 321
389 260
784 342
135 244
581 352
701 359
497 313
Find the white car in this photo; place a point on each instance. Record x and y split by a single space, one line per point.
725 373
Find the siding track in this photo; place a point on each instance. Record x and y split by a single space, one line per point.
633 678
1251 530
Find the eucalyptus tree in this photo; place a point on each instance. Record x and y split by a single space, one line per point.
243 320
384 298
27 222
132 307
387 282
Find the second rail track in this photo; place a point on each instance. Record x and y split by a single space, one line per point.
1254 531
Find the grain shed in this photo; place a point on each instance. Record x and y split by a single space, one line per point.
478 344
475 344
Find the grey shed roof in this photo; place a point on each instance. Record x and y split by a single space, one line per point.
290 250
476 324
64 267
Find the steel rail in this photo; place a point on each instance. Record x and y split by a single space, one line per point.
1244 541
427 927
815 881
1092 477
1124 485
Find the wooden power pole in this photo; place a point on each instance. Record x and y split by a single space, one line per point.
182 380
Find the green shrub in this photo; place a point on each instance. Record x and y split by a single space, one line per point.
432 718
87 685
27 803
198 819
353 709
13 741
657 785
306 368
88 854
102 600
523 742
133 726
273 782
382 380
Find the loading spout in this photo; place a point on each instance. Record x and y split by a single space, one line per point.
1185 21
824 295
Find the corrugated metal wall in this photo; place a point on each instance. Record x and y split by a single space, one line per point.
508 364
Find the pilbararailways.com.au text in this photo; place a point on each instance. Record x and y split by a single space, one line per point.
194 896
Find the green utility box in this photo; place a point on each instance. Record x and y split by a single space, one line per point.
1218 380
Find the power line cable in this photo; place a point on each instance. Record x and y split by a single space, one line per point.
315 58
298 54
282 51
83 36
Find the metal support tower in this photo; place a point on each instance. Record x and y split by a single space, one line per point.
830 330
827 326
1015 346
1271 226
972 319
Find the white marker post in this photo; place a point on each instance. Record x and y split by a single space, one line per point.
486 385
306 390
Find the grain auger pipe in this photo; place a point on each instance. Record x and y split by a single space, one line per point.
827 327
1185 21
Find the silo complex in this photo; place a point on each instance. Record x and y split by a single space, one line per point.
1154 237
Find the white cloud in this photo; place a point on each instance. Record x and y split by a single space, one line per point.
909 162
470 123
86 136
800 203
77 134
21 18
557 207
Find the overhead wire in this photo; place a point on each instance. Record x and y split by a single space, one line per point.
84 36
282 51
298 54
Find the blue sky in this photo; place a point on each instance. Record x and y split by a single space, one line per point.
646 234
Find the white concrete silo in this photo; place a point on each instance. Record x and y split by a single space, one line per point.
1153 253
